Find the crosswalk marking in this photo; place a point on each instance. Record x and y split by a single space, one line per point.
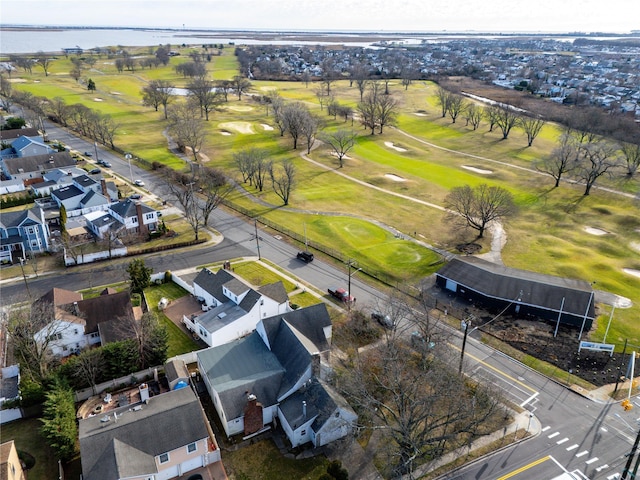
582 453
613 477
548 427
572 447
591 460
602 468
553 435
560 442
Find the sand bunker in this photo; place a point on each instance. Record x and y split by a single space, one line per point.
239 108
344 157
395 178
115 93
266 127
240 127
632 271
97 99
420 114
268 89
224 132
477 170
635 246
595 231
397 149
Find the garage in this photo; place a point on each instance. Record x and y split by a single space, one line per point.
191 464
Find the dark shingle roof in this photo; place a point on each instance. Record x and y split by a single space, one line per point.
67 192
127 447
106 311
23 217
213 282
127 208
38 163
18 132
244 365
508 284
275 291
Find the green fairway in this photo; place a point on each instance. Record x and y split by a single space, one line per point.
395 182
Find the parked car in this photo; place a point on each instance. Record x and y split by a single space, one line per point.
341 294
88 154
305 256
104 163
382 319
135 196
139 183
95 171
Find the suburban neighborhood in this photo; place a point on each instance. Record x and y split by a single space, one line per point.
272 260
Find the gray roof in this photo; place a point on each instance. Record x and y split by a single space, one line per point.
38 163
127 446
21 218
92 199
275 291
175 369
221 316
85 181
236 286
310 322
127 208
212 282
244 365
509 284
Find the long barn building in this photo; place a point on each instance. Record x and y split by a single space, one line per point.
496 287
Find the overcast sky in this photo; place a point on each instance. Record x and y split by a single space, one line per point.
371 15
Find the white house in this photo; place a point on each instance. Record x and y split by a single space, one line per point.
233 307
274 373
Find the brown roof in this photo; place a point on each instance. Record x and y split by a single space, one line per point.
59 296
104 309
18 132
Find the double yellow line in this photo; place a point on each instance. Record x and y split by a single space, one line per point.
526 467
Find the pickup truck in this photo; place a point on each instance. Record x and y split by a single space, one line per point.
341 294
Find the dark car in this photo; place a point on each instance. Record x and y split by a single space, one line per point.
382 319
104 163
135 196
305 256
88 154
95 171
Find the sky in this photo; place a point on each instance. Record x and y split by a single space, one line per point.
615 16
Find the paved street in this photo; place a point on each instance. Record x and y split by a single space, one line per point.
577 437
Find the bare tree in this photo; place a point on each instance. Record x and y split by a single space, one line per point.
456 106
480 205
562 160
254 166
283 179
506 118
309 130
531 127
149 336
443 97
631 152
386 111
224 87
187 128
361 74
43 60
214 187
474 115
89 367
181 189
240 85
203 91
417 402
368 110
491 113
295 117
340 141
157 93
595 159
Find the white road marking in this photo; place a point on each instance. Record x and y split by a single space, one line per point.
591 460
553 435
582 453
529 399
560 442
613 477
572 447
602 468
545 428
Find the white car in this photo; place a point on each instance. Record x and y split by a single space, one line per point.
139 183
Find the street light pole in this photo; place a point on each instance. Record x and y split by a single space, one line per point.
465 325
350 263
128 157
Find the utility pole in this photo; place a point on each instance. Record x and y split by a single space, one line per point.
465 325
255 224
630 457
624 350
26 284
350 263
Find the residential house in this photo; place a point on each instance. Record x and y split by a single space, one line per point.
11 135
77 323
10 465
135 216
163 437
520 292
55 179
25 168
275 373
233 307
23 232
84 195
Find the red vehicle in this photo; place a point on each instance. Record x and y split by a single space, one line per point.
341 294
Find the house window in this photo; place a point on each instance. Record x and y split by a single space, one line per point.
55 336
303 432
148 216
134 220
337 414
75 331
31 230
164 458
34 244
94 335
192 447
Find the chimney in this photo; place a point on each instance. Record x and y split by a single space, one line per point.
144 392
76 310
143 228
103 184
304 410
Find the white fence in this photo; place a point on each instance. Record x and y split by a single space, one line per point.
92 257
116 383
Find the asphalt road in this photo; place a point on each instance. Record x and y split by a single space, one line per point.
579 438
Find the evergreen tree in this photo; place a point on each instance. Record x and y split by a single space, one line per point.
59 421
139 276
91 85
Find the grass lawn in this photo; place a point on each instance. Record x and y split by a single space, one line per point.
26 435
547 235
179 342
258 275
263 461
